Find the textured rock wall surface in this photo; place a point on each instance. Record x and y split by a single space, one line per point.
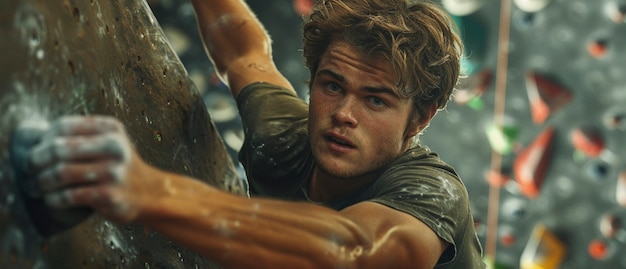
101 57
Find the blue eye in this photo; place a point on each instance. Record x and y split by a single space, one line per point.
376 102
333 87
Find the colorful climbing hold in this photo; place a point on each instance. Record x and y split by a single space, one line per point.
473 86
616 12
507 236
543 250
531 5
587 140
462 7
620 191
598 249
598 169
502 139
531 164
597 49
615 120
610 225
497 179
545 96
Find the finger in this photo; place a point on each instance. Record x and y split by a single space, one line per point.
85 125
68 175
67 126
26 135
80 149
104 199
60 200
88 196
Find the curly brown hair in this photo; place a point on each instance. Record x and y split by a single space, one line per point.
419 39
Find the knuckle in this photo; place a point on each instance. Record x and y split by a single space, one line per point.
113 123
57 148
51 178
105 196
117 145
118 173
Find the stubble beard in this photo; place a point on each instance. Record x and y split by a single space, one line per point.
354 170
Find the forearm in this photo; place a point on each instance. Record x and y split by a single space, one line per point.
230 30
242 233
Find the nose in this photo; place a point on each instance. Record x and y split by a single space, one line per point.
344 113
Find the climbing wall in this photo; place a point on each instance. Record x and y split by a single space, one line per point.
537 130
111 58
541 140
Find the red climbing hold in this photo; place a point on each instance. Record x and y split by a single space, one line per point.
545 96
507 239
598 249
587 141
597 49
532 163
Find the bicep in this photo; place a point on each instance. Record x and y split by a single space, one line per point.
399 240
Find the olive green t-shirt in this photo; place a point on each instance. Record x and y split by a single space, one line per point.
278 161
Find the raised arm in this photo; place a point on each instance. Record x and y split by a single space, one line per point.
237 44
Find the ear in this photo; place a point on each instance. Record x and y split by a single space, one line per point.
420 123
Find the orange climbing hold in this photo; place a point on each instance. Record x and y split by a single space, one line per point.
532 163
543 251
545 96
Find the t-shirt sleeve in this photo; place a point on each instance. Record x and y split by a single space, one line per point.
275 127
432 193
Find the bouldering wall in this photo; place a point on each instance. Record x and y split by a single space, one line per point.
541 144
112 58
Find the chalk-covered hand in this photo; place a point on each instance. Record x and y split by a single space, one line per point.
88 161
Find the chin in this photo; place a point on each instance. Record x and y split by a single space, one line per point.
337 169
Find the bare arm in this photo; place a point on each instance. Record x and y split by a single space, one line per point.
90 162
260 233
237 44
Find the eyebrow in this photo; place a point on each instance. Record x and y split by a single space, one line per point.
341 78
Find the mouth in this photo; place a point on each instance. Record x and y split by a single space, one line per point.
339 140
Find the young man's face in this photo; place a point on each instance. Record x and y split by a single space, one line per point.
357 122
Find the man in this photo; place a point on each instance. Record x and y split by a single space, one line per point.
340 184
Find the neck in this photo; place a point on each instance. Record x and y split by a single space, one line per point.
324 187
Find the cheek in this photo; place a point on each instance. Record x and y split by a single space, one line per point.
391 133
315 112
385 132
318 105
